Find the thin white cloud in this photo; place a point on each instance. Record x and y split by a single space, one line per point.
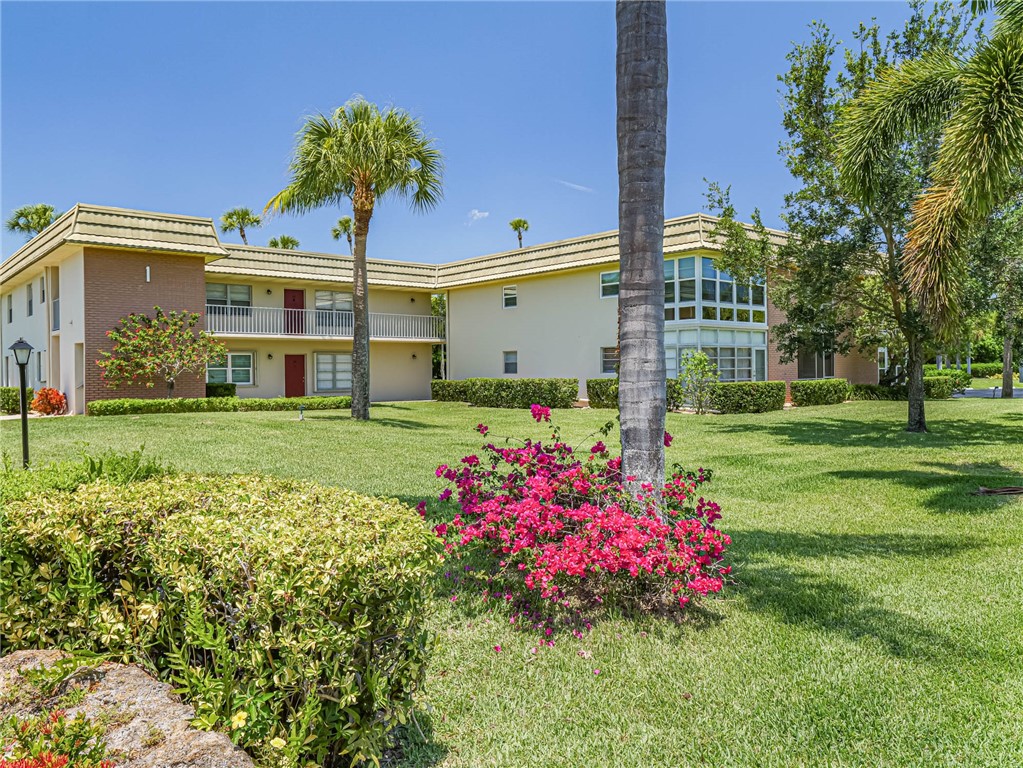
476 215
576 187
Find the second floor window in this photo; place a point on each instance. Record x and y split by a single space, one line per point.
28 293
10 309
608 284
224 295
609 360
42 290
334 301
510 297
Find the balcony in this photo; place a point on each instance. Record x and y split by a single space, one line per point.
318 323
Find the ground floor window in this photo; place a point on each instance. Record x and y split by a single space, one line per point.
815 365
738 355
234 368
333 371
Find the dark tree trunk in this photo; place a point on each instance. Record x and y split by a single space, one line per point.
241 233
170 388
363 210
520 239
1007 372
915 384
642 97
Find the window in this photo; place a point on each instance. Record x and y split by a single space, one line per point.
223 295
815 365
40 375
609 360
334 301
10 308
234 368
334 372
511 362
695 288
608 284
28 293
509 297
42 290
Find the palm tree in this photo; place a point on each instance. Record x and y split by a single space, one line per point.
30 220
344 229
360 155
520 226
238 219
284 242
642 96
977 106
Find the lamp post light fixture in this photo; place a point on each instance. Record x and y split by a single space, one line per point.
22 354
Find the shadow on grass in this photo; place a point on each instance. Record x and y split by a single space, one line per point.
947 488
385 422
415 745
799 596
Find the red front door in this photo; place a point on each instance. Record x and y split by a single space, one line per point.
294 375
294 314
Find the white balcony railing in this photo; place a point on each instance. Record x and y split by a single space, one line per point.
275 321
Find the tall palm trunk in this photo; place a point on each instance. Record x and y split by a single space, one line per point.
642 96
362 207
241 234
1007 373
520 239
915 384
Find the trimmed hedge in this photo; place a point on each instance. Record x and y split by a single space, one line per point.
130 406
513 393
448 391
602 393
961 380
221 389
9 401
748 396
878 392
304 607
938 387
819 392
978 370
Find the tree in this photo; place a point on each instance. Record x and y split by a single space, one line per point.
360 155
344 229
696 379
30 220
159 348
237 219
520 226
841 275
284 242
642 99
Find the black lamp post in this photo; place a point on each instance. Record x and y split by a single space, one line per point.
22 352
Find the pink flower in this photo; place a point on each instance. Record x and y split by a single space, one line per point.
540 412
482 429
441 529
667 440
598 447
596 671
497 649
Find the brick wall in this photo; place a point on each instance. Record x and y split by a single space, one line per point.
115 286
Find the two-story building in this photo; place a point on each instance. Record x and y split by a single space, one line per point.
286 316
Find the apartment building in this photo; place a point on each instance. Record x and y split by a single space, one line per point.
286 316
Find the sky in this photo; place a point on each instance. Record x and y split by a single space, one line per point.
192 108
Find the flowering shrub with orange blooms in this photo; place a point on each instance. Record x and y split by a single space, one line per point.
49 401
51 740
568 525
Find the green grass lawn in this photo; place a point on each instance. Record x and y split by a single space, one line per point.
876 617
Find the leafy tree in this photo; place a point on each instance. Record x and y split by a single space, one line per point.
30 220
841 275
520 226
642 99
975 105
284 242
159 348
697 376
343 228
237 219
360 155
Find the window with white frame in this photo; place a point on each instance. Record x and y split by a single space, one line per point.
40 368
510 297
233 368
334 301
511 361
609 359
738 355
333 371
42 289
609 284
29 297
10 308
224 295
815 365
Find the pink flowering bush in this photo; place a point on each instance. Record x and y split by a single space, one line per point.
562 520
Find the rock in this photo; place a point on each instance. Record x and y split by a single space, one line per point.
147 726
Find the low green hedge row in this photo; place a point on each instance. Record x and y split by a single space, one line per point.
9 401
726 397
938 387
977 370
961 380
221 389
130 406
819 391
602 393
301 606
508 393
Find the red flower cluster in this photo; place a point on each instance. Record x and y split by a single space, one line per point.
567 523
49 401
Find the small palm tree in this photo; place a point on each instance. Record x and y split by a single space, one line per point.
30 220
520 226
344 229
284 242
359 155
976 106
238 219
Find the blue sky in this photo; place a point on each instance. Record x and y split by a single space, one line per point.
192 107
